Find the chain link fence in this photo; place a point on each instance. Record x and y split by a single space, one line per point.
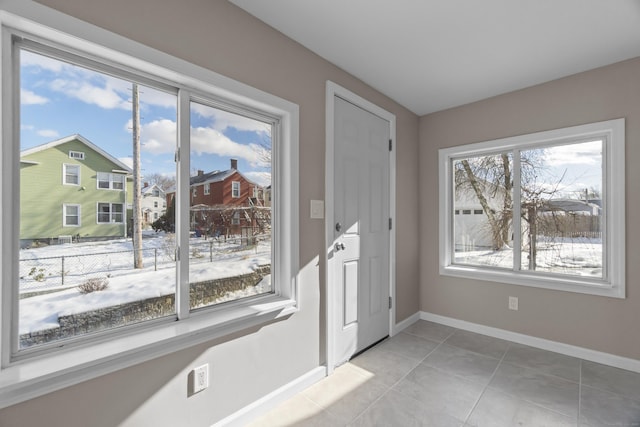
47 274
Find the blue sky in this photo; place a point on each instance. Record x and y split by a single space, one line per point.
59 99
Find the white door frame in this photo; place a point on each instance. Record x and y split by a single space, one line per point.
333 90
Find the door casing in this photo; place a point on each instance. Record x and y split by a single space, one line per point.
334 90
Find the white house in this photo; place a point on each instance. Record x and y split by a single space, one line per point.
154 203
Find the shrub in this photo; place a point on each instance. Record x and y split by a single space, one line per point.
94 284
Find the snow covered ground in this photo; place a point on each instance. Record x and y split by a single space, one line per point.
577 256
112 260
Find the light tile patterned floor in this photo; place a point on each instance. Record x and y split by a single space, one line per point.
434 375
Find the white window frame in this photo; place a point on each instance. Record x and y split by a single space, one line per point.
109 177
612 283
206 189
76 155
31 374
235 189
64 215
64 174
235 218
111 213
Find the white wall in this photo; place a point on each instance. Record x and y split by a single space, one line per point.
219 36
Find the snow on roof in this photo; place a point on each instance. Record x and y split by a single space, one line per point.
149 188
79 138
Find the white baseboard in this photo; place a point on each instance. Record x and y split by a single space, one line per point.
273 399
558 347
399 327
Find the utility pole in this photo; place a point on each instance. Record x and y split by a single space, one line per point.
137 194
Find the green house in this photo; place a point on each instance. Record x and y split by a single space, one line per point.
70 188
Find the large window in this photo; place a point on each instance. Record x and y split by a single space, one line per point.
110 213
139 118
71 174
110 181
71 215
543 209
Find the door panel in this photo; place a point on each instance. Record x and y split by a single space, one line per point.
350 293
361 242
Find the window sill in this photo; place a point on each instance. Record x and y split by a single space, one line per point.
574 284
24 380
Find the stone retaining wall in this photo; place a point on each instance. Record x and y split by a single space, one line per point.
201 294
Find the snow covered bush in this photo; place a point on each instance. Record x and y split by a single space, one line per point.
94 284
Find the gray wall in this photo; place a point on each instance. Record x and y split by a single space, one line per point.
221 37
603 324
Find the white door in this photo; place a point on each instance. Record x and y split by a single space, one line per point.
361 229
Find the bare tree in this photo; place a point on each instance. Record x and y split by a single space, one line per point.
165 182
491 177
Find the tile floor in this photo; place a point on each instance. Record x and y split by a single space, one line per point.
435 375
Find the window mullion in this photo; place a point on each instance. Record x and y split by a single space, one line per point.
517 226
182 205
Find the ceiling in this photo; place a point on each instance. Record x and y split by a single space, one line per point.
430 55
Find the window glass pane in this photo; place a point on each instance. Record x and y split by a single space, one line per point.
230 245
71 215
483 185
562 209
73 289
71 174
118 182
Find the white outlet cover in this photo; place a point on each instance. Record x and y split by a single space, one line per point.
200 378
513 303
317 209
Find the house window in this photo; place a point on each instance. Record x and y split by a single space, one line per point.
255 192
206 189
71 215
78 155
155 204
110 213
110 181
189 103
195 192
235 219
235 189
71 174
552 209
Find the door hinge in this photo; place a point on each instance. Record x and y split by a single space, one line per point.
390 302
390 223
390 144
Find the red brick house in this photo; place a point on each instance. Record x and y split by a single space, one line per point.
227 202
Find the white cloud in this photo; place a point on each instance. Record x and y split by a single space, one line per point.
211 141
588 153
150 96
104 97
222 120
127 161
31 59
158 137
27 127
48 133
262 178
28 97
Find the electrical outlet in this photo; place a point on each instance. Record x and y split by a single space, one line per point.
513 303
317 209
200 377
